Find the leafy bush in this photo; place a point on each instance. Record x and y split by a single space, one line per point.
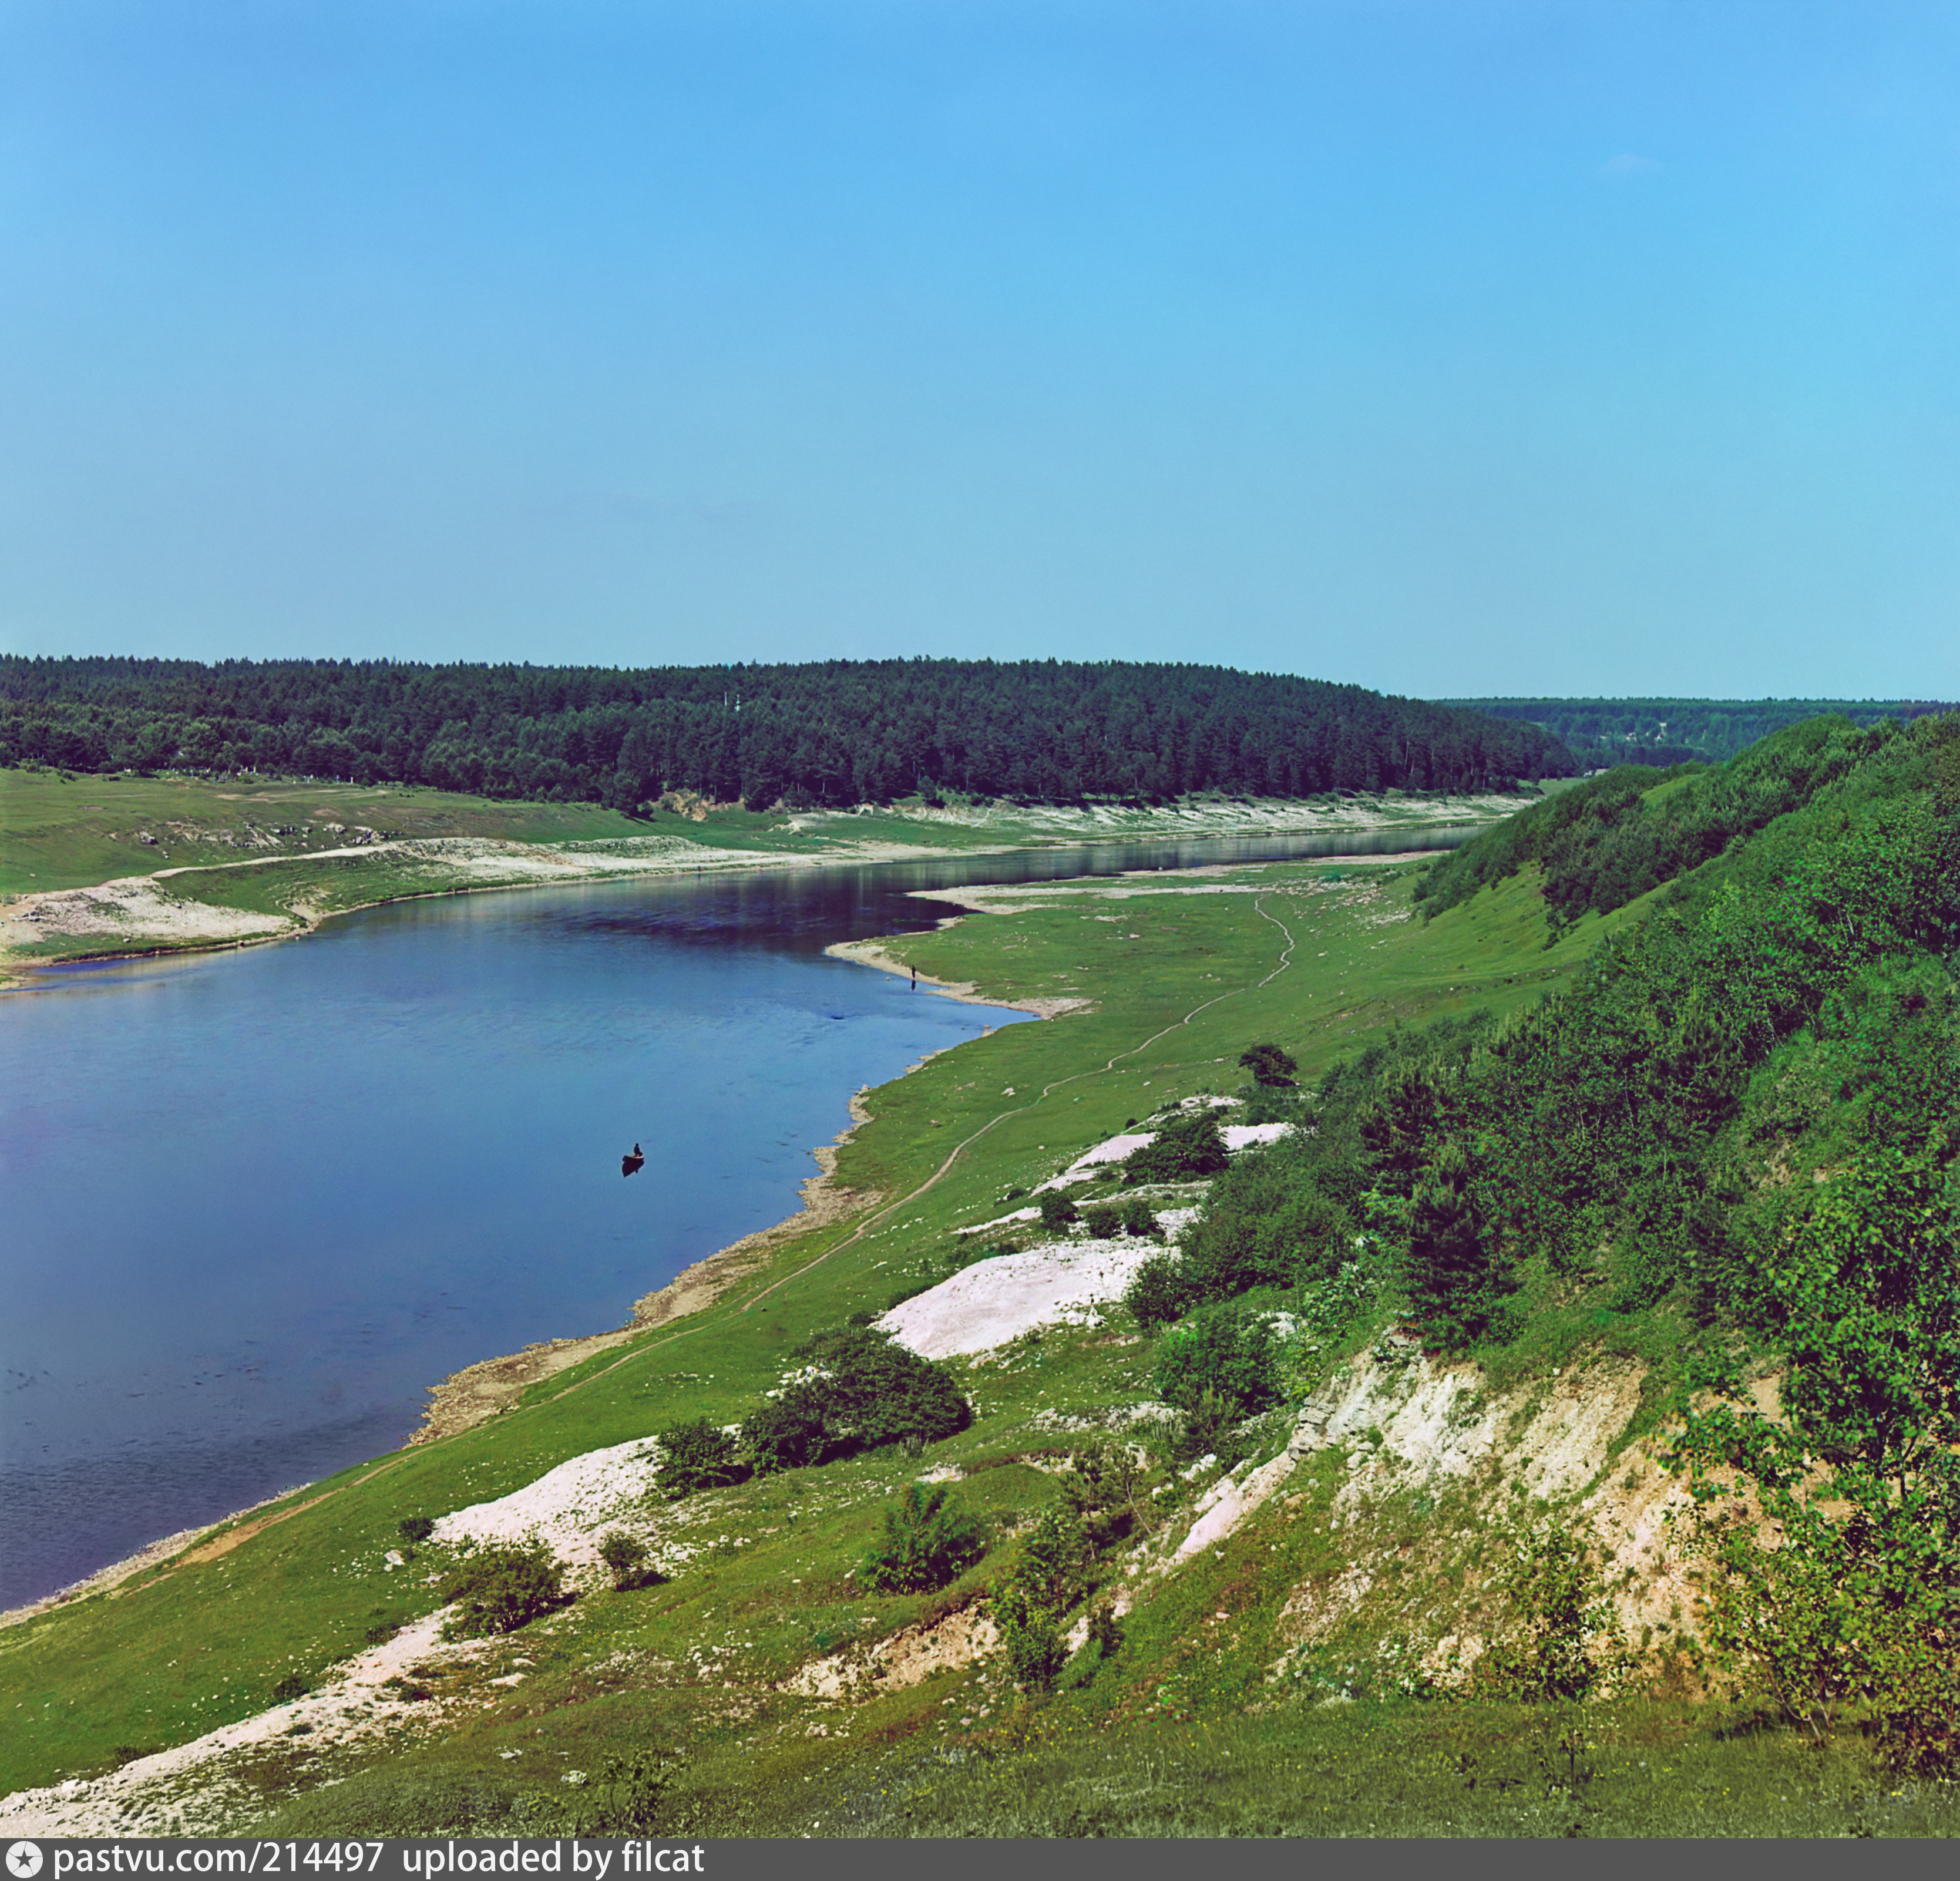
1160 1292
1563 1641
290 1687
1103 1489
1221 1349
928 1541
1140 1219
1451 1276
499 1590
415 1529
1269 1065
1058 1211
625 1556
1859 1603
1184 1148
627 1796
1104 1222
1049 1576
1036 1650
860 1391
698 1456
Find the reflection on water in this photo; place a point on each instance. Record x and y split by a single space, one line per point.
256 1203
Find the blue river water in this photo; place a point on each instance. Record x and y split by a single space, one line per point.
253 1205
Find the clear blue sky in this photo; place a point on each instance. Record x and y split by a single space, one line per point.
1445 346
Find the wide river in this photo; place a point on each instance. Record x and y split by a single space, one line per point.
255 1203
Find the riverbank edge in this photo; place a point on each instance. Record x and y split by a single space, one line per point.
22 974
18 974
480 1392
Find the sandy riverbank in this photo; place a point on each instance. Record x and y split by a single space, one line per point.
137 916
874 954
480 1392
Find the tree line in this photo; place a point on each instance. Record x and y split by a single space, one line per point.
835 733
1662 731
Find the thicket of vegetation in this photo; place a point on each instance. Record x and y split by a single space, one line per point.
1606 731
1607 841
1731 1143
837 733
858 1390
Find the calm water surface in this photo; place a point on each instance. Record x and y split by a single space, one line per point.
256 1203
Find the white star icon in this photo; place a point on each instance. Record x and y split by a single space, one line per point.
23 1860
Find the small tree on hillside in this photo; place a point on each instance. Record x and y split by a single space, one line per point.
1451 1277
499 1590
1269 1065
1221 1350
927 1541
698 1455
1185 1149
1058 1211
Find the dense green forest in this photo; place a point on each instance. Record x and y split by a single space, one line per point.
836 733
1731 1147
1609 841
1606 731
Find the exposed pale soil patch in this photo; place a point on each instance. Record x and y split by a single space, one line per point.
907 1657
189 1790
995 1300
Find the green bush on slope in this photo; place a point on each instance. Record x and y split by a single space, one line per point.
499 1590
858 1390
927 1541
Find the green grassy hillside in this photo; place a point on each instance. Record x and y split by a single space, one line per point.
1619 1193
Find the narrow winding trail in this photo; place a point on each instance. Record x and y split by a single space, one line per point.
1047 1091
222 1543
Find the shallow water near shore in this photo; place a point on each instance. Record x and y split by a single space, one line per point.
256 1203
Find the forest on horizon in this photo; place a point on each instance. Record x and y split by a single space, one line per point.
828 734
1603 732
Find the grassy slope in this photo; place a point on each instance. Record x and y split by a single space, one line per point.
163 1662
58 832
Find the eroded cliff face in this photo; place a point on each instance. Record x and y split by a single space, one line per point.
1438 1472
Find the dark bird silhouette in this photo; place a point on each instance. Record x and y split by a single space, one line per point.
630 1165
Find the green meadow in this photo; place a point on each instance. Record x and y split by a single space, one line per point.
1181 1729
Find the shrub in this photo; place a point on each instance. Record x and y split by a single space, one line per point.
1564 1642
625 1555
499 1590
862 1391
698 1456
1049 1576
1036 1650
1221 1350
1452 1278
1185 1148
928 1541
1160 1292
1207 1427
1858 1599
1103 1222
628 1796
1269 1065
1103 1489
1057 1212
290 1687
1140 1219
416 1529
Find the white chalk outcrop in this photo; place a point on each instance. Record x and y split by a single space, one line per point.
995 1300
